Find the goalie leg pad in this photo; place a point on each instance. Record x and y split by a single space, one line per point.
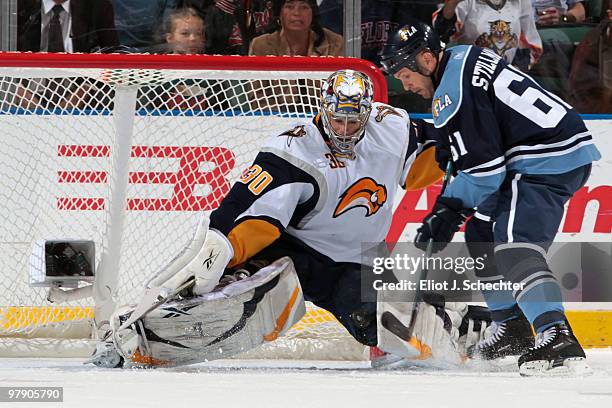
222 323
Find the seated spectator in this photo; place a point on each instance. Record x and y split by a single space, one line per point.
378 18
138 21
184 34
554 68
296 31
505 26
61 26
552 12
232 24
591 74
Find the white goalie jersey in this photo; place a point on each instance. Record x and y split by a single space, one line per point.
298 186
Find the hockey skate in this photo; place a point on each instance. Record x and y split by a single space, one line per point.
556 353
510 338
105 355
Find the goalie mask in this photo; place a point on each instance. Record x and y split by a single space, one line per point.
346 102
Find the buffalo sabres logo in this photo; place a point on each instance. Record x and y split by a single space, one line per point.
297 131
365 193
384 110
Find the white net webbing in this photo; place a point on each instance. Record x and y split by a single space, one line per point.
162 145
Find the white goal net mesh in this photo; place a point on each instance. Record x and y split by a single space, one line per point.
159 146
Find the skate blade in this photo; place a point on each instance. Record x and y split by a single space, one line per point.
502 364
388 361
393 362
571 367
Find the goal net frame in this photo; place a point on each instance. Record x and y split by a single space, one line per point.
43 328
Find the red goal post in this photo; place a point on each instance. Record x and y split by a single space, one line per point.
125 150
196 62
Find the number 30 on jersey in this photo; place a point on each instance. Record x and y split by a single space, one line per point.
256 179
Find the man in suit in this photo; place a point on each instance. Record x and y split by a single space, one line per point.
62 26
65 25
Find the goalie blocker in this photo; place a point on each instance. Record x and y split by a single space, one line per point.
220 324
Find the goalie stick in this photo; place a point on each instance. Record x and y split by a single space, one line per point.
393 324
153 298
388 320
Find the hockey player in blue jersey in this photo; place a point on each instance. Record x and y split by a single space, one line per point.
520 153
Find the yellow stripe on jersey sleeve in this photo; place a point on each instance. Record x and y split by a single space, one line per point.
424 171
249 237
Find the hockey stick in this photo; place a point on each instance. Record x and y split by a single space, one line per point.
151 299
388 320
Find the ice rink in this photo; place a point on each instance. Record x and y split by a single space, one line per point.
307 384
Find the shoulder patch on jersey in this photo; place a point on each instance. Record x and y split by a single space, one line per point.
447 98
297 131
439 104
384 110
365 193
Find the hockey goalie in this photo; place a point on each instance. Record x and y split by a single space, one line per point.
291 229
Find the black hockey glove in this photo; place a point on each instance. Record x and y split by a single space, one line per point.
441 224
443 156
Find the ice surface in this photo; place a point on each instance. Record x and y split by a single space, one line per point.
307 384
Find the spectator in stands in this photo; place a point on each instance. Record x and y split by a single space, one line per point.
378 18
65 25
295 30
232 24
62 26
184 33
138 21
505 26
591 74
554 68
552 12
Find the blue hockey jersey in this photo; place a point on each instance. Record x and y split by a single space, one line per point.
500 120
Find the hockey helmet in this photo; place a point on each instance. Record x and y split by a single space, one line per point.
346 98
402 49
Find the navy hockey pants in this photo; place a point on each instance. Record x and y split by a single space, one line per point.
525 215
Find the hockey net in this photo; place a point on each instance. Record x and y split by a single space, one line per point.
127 151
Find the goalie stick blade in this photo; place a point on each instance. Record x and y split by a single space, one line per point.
414 349
393 324
151 299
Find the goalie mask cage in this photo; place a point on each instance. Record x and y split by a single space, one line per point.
127 151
